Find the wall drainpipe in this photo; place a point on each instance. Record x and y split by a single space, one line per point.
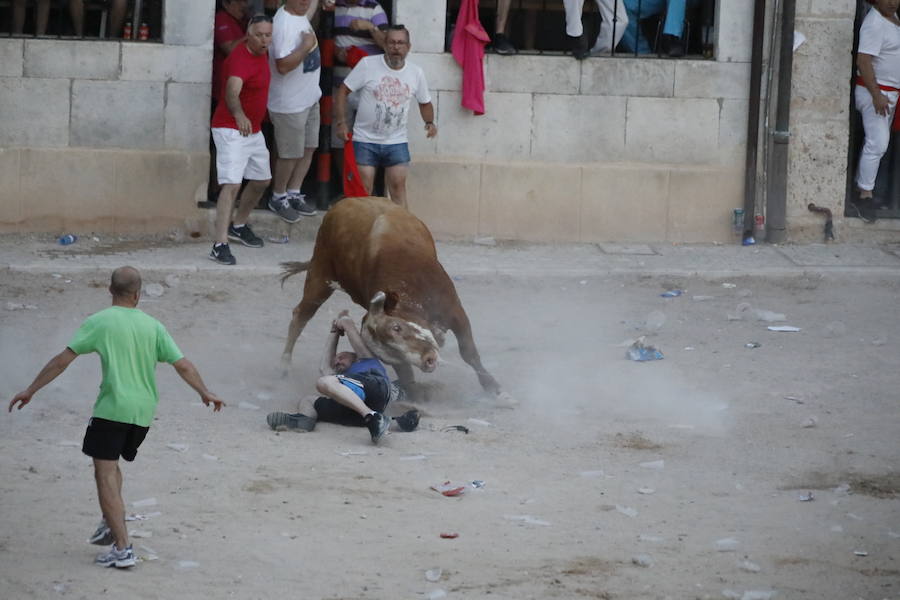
759 28
776 198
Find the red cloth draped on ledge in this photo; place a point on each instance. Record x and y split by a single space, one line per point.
469 40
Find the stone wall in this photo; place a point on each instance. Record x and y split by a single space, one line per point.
107 135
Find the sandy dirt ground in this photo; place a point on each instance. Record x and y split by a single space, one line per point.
677 479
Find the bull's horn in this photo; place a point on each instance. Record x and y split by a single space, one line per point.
376 304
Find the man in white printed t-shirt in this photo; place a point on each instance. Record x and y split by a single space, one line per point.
293 105
387 84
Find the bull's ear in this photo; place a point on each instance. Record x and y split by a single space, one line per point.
391 302
376 304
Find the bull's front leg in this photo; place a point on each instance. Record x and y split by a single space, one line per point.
469 353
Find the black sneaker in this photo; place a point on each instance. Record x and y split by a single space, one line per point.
503 46
280 421
408 421
244 235
283 208
579 47
221 253
299 203
672 45
102 536
378 424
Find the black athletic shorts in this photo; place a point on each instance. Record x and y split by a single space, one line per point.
108 440
377 389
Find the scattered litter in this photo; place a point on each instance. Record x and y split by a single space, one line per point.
279 239
740 311
353 453
784 328
729 285
794 399
144 502
135 517
727 545
807 497
680 426
641 353
651 538
688 348
20 306
65 240
462 428
154 290
172 280
626 510
752 345
654 464
478 484
178 447
758 595
248 406
702 298
731 595
809 423
583 282
769 317
527 519
750 567
879 341
148 553
436 595
140 533
671 294
449 535
56 276
210 457
434 575
842 489
646 491
449 489
485 241
70 443
479 422
642 560
655 320
414 457
860 553
264 396
854 517
893 534
60 588
188 564
837 528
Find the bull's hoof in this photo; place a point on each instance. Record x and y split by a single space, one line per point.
505 400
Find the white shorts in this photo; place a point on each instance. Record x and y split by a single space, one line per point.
239 157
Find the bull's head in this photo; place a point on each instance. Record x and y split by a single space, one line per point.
398 339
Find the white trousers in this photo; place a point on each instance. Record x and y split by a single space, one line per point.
605 41
878 136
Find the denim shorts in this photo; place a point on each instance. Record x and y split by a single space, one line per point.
381 155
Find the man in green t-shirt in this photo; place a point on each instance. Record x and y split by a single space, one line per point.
130 343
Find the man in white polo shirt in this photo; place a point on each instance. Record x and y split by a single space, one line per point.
387 84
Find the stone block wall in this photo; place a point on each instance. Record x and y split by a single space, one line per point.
107 135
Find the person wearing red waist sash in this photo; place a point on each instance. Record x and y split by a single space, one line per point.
876 92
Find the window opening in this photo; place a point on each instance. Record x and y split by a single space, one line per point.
139 20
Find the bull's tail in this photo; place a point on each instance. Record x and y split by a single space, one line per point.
292 268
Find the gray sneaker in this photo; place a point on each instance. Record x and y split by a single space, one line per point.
377 424
280 421
299 203
282 208
102 535
121 559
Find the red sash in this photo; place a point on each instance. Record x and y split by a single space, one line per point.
895 126
353 186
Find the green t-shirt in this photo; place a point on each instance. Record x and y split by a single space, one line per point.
130 343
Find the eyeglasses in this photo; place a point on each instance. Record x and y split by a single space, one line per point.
260 19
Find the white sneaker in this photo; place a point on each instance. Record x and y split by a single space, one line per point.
121 559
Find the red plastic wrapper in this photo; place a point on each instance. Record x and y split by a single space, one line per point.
449 536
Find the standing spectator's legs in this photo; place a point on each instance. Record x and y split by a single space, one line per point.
367 176
878 136
117 19
224 206
396 183
297 138
18 17
40 18
290 172
634 38
609 10
574 28
502 45
109 492
76 11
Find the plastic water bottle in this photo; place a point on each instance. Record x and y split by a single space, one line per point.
65 240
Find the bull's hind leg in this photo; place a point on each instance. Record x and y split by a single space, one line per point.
316 291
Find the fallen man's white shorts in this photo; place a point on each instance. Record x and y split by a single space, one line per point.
239 157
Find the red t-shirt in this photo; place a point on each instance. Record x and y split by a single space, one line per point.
254 71
227 29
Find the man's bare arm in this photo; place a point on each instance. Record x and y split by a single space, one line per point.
53 369
233 88
191 376
326 367
355 339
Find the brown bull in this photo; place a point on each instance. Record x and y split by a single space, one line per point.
384 258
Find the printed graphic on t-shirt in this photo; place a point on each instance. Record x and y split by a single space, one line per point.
312 61
392 101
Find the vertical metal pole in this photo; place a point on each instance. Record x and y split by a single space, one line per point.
776 200
136 20
637 37
756 57
612 50
323 164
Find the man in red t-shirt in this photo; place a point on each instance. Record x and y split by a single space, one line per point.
228 32
241 151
